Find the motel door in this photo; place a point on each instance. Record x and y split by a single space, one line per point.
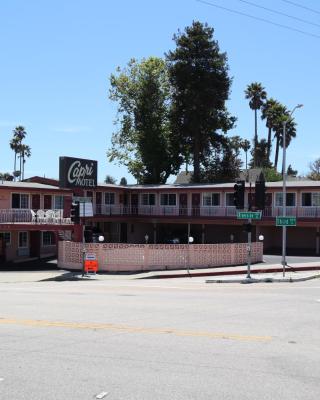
47 202
195 203
35 243
134 203
98 202
183 204
35 201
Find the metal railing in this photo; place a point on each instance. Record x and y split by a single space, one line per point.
205 211
29 216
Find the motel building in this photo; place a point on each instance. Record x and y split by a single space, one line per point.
35 216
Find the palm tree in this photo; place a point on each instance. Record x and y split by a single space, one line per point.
19 134
25 151
245 145
14 145
270 112
290 132
256 93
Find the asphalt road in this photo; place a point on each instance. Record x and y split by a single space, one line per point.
169 339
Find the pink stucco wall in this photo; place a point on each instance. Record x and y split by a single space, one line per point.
141 257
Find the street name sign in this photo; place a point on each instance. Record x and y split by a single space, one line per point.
249 215
286 221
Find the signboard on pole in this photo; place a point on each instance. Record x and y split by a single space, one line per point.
249 215
286 221
77 172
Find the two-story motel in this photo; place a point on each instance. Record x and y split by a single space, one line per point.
34 216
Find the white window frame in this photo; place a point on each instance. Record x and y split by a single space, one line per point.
211 193
312 204
27 241
20 194
42 239
148 202
280 193
168 194
225 198
7 242
105 198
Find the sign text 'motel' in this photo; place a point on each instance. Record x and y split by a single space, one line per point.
249 214
77 172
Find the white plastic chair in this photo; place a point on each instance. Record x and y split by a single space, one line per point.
41 216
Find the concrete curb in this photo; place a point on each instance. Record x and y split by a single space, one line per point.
230 272
263 280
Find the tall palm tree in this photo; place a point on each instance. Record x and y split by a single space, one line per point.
19 133
270 112
290 132
245 145
256 94
25 151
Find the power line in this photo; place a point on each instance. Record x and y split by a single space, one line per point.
260 19
280 13
301 6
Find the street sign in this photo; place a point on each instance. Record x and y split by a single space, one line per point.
286 221
249 215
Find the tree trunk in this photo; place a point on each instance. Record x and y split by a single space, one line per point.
15 164
196 159
277 153
269 145
255 138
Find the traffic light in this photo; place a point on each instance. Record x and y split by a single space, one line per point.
75 212
247 227
260 195
238 195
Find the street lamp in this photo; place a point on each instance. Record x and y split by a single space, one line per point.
284 194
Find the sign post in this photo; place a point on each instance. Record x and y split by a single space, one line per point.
249 215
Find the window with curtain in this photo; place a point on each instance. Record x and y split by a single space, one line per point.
211 199
168 199
290 199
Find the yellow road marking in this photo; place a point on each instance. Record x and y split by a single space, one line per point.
130 329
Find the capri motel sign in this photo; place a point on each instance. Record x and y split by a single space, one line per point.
77 173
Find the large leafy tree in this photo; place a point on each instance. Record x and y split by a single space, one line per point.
256 95
224 163
314 173
198 74
143 142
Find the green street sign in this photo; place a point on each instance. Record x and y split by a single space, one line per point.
286 221
249 215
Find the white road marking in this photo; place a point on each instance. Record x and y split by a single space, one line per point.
102 395
1 379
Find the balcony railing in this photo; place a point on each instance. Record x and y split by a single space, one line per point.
26 215
205 211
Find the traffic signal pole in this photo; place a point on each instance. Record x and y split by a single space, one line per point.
249 239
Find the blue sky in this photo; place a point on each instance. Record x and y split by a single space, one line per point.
57 56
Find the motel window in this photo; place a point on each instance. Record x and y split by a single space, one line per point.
168 199
58 202
20 200
6 237
48 239
23 239
310 199
229 199
211 199
109 198
148 199
290 199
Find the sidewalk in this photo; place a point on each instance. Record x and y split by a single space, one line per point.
259 273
